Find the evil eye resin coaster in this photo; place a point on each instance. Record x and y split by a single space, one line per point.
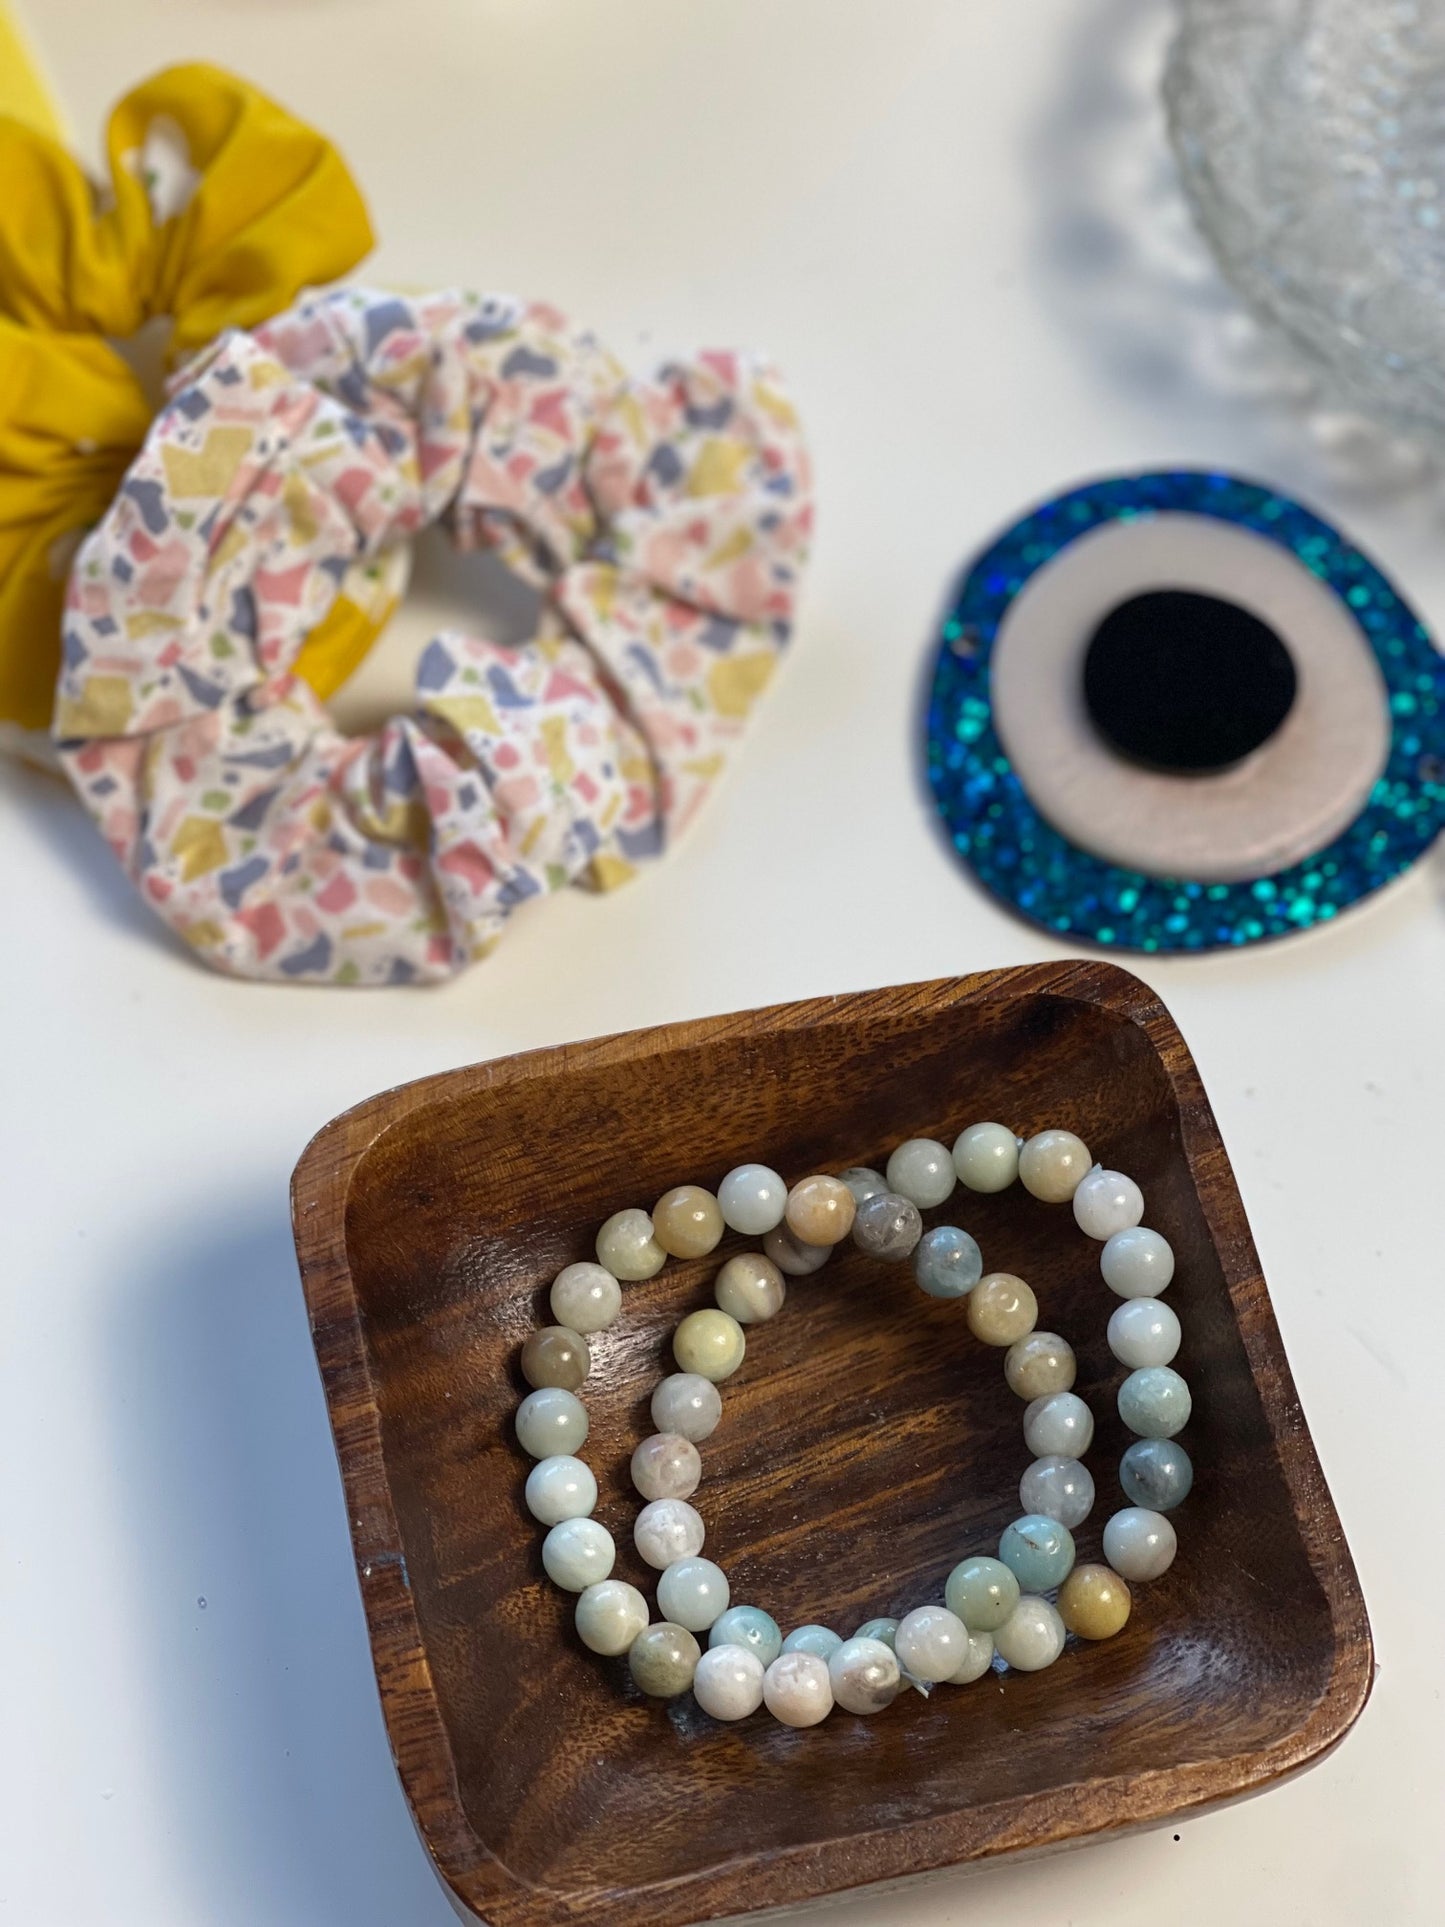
1042 763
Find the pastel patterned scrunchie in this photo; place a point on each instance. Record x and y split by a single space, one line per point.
666 522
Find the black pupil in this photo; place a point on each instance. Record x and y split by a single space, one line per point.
1186 682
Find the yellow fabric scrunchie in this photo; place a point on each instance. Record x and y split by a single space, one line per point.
222 207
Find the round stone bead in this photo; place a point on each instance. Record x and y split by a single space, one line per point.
1032 1637
947 1263
728 1683
688 1404
1155 1402
693 1593
1059 1488
663 1660
1143 1331
1139 1544
627 1248
863 1182
1001 1309
1156 1473
1137 1263
556 1356
884 1629
791 1255
931 1642
1038 1551
710 1344
865 1676
982 1592
986 1157
1052 1164
578 1554
687 1221
922 1171
559 1488
666 1466
751 1627
1059 1426
976 1660
585 1298
887 1226
819 1640
668 1530
820 1210
609 1616
1039 1364
1094 1602
551 1421
797 1689
750 1288
1106 1202
752 1199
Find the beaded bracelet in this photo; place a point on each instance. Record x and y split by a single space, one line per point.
1015 1610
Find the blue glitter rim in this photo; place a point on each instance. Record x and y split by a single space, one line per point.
1035 869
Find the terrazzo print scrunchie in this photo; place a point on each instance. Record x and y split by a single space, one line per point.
665 521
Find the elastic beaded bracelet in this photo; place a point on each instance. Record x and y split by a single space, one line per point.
1013 1610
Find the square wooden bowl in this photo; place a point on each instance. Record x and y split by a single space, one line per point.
867 1444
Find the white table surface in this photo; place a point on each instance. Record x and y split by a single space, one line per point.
955 227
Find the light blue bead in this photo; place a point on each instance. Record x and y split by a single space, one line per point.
818 1640
884 1629
1154 1402
1156 1473
864 1183
947 1263
982 1592
750 1627
1038 1551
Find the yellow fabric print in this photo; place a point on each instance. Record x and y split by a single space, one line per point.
735 683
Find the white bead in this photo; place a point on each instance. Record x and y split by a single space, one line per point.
728 1683
750 1288
688 1404
627 1248
585 1298
1051 1165
609 1616
922 1171
753 1199
559 1488
1106 1202
666 1466
976 1661
797 1689
865 1676
931 1643
1143 1331
1139 1544
1137 1263
551 1421
1060 1425
577 1554
1059 1488
986 1157
1032 1636
668 1530
693 1593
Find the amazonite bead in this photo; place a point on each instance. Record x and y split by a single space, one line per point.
820 1210
668 1530
750 1288
1001 1309
666 1466
1106 1202
1139 1544
947 1263
687 1221
1039 1364
887 1226
693 1593
1137 1263
559 1488
551 1421
609 1616
751 1627
791 1255
1143 1331
585 1298
728 1683
1155 1402
663 1660
986 1157
752 1199
556 1355
1038 1551
627 1248
710 1344
865 1676
1094 1602
1052 1164
931 1643
1156 1473
578 1554
821 1641
863 1182
884 1629
1059 1426
797 1689
922 1171
982 1592
1032 1637
688 1404
1060 1488
977 1658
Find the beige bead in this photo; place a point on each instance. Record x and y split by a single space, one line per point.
1039 1365
709 1343
750 1288
556 1356
1051 1165
820 1210
663 1659
1001 1309
687 1221
666 1466
627 1248
1094 1602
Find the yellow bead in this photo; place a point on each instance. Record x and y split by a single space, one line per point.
709 1343
687 1222
1094 1602
1001 1309
1051 1165
820 1210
